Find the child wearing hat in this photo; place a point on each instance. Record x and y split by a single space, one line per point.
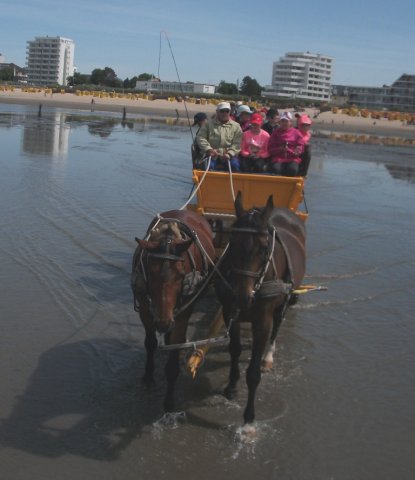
254 148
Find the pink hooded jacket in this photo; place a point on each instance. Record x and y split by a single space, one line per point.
286 145
255 144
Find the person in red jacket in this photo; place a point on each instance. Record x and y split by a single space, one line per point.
254 148
285 148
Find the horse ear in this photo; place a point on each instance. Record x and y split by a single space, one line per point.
270 202
147 245
269 207
239 210
182 245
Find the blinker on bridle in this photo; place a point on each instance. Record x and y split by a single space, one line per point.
166 256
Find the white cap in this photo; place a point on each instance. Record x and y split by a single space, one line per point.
223 105
286 116
243 108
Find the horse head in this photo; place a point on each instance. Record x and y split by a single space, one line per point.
165 270
249 250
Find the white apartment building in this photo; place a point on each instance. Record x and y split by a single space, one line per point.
49 60
157 86
301 75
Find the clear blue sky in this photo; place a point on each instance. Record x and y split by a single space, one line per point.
372 42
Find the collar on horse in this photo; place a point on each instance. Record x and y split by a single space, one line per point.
193 283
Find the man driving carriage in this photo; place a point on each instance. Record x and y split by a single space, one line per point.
220 139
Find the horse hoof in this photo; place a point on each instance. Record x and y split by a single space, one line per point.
266 366
230 393
148 381
168 405
248 432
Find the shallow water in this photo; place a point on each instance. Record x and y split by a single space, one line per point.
74 192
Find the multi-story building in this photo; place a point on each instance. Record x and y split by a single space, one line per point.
17 73
399 96
157 86
301 75
50 60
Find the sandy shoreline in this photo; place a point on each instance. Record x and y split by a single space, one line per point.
162 108
327 121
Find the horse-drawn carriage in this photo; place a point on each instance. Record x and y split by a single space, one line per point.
255 249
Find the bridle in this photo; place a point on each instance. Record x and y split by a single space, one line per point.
260 274
194 282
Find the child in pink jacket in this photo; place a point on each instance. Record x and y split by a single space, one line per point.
254 148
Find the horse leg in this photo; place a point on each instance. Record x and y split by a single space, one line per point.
150 342
268 360
172 368
235 352
260 333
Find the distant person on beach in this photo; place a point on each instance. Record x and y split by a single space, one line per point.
272 120
254 149
220 140
285 147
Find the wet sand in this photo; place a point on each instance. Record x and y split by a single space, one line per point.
161 108
340 402
327 121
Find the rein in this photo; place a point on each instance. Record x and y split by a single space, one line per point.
192 284
260 274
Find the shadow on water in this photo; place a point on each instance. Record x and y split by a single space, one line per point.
85 399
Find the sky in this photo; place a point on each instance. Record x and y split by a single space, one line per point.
371 42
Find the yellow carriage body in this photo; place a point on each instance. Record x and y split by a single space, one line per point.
216 190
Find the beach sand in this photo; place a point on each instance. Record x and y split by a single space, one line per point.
161 108
326 122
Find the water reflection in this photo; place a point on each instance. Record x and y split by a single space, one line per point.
401 172
48 136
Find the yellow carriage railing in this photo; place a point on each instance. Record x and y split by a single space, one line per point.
215 192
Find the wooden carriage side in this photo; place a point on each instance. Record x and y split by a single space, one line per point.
217 189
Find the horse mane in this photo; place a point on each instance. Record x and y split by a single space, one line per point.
163 229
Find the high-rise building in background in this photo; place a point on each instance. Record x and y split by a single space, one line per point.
302 75
49 60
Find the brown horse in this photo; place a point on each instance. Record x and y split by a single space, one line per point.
169 269
265 262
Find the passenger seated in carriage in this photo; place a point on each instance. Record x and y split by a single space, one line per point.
304 127
243 117
254 149
285 147
272 120
220 141
198 120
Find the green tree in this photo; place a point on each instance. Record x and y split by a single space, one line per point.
145 76
227 88
78 79
130 82
6 74
250 87
105 77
